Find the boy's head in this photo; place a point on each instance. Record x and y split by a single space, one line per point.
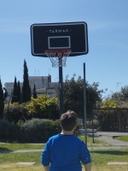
68 120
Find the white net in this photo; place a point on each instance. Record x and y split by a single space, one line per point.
58 58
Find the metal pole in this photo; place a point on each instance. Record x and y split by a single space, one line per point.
85 127
61 86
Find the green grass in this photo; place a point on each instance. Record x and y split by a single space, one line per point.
6 158
123 138
90 141
20 146
25 146
14 167
8 161
100 158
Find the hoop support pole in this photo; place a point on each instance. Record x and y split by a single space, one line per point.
59 53
61 87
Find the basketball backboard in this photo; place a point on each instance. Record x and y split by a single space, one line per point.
52 36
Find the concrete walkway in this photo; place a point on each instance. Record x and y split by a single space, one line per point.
109 137
113 141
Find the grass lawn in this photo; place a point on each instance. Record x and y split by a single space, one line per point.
25 146
123 138
8 161
14 167
100 158
20 146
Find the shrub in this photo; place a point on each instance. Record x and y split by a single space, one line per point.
43 107
39 130
15 112
9 131
3 126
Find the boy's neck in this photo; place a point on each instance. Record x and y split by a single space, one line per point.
67 132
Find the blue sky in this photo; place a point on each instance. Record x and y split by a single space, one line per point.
107 20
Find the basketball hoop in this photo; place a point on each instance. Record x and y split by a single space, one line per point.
58 57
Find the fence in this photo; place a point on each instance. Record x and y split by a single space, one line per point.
112 119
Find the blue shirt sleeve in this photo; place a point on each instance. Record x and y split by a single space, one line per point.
45 157
84 154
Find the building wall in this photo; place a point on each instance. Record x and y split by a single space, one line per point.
39 81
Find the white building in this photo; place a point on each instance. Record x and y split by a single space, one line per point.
41 82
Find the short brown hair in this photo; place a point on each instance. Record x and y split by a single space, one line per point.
68 120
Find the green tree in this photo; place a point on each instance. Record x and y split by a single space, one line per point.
18 92
74 96
124 93
93 94
116 96
1 101
121 97
34 92
26 90
15 92
108 103
43 107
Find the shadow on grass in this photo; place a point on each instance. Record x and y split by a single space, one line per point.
112 152
5 150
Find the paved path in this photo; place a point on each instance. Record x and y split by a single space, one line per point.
109 138
112 134
21 151
113 141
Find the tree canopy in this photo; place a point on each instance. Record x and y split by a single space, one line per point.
34 92
15 92
108 103
26 90
1 101
43 107
74 95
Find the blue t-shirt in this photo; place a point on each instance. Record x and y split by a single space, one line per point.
65 152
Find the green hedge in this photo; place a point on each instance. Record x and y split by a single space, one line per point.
31 131
16 112
9 131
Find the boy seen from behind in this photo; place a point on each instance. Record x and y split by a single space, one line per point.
64 151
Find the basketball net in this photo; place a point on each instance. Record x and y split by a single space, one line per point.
58 57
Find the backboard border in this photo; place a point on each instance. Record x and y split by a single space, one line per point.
73 54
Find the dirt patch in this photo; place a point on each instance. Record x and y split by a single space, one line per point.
118 163
26 163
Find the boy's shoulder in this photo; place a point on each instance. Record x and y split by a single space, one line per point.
54 136
67 137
